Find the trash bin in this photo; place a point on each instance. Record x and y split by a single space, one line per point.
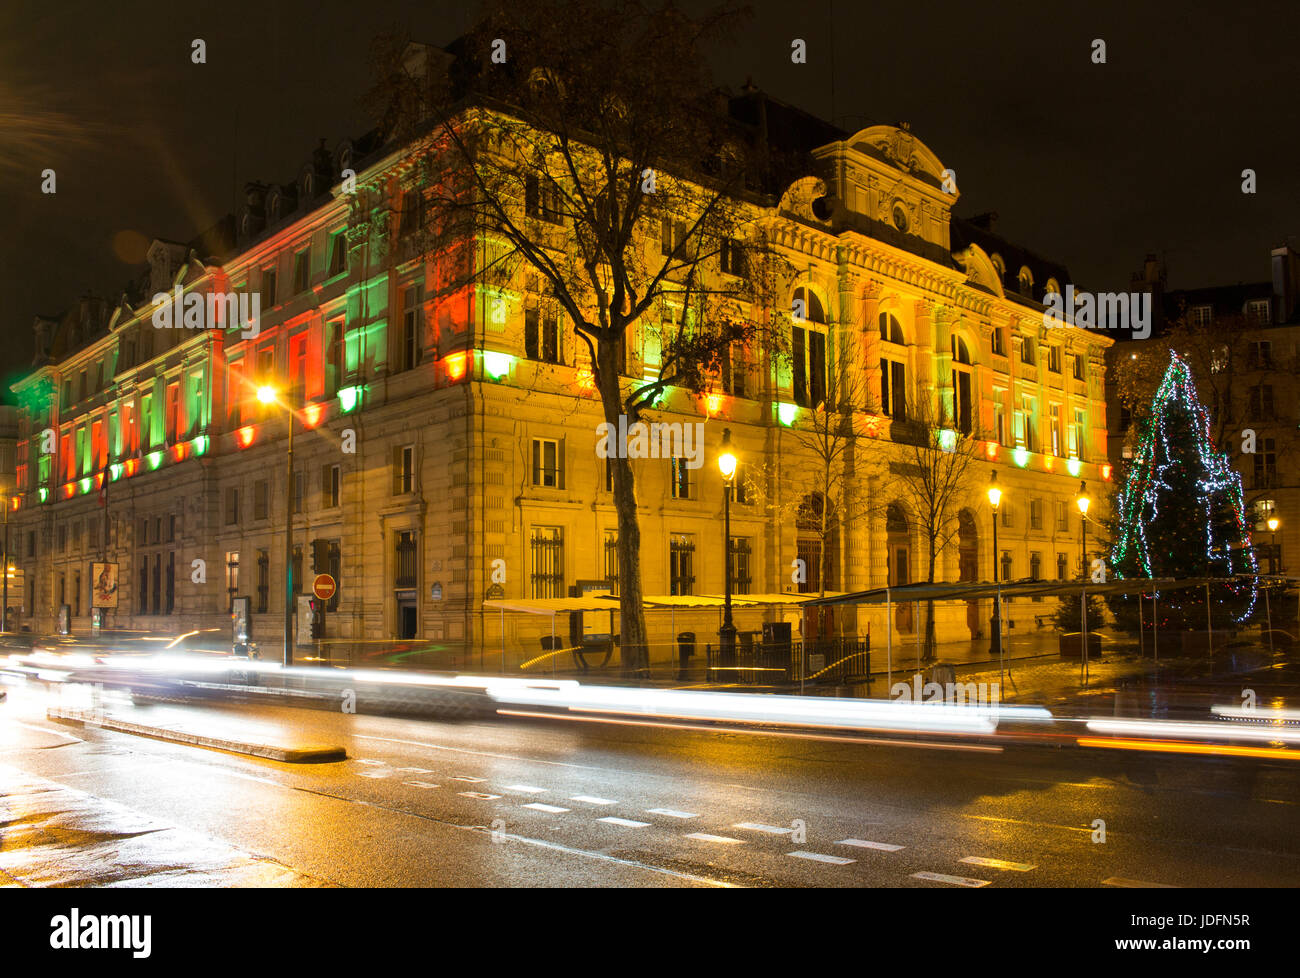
685 649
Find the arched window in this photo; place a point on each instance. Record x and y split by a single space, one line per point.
893 368
815 543
900 218
1026 279
961 384
1052 288
808 348
895 519
1000 265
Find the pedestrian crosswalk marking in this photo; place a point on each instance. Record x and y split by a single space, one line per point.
626 823
821 858
998 864
592 800
760 827
864 844
554 809
705 837
479 795
420 784
671 813
954 880
526 789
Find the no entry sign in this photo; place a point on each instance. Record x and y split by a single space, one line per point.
323 587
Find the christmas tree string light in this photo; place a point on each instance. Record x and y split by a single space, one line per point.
1181 511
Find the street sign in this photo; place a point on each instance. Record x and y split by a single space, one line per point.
323 587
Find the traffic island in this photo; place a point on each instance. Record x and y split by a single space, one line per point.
296 754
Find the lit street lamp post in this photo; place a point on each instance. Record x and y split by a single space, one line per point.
1274 566
727 634
995 500
267 395
4 601
1083 502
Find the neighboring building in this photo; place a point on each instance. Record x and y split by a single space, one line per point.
473 416
1248 383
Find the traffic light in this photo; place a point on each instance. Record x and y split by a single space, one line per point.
320 556
317 618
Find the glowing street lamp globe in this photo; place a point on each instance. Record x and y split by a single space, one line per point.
266 394
1273 524
727 458
1083 501
995 492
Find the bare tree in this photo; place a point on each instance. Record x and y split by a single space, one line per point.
935 475
595 160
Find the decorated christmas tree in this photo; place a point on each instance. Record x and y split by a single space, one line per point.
1180 514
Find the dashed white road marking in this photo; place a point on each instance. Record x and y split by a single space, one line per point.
705 837
470 780
592 800
554 809
671 813
372 774
760 827
626 823
954 880
420 784
821 858
478 794
415 770
864 844
527 789
1136 884
361 760
998 864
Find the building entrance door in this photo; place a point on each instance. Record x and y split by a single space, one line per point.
406 614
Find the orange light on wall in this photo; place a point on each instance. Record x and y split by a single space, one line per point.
1105 472
179 451
712 403
312 415
244 436
99 482
456 364
586 381
16 502
991 450
1048 462
872 425
132 467
69 490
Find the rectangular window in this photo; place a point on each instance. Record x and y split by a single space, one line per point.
412 216
1265 464
1027 350
1062 566
298 490
331 486
1000 415
1053 359
232 506
681 563
1062 516
548 562
672 235
1058 435
338 253
268 287
548 464
403 469
234 395
263 580
1202 316
301 271
999 343
734 370
681 476
893 389
1259 312
542 335
738 565
1035 567
1005 510
543 199
173 408
31 543
1035 514
1006 565
76 593
142 601
156 595
261 499
170 586
1080 366
407 565
1078 438
731 258
1261 402
412 328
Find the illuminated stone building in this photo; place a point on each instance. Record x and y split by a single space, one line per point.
438 433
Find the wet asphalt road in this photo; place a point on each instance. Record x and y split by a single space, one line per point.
521 802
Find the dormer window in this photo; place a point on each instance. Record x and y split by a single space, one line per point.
1026 280
900 218
1000 265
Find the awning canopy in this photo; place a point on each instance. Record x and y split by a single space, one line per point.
975 590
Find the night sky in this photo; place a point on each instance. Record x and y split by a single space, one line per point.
1090 165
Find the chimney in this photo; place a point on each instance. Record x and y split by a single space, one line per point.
1286 264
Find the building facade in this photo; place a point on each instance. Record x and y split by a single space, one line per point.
445 440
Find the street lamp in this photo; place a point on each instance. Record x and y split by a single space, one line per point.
995 500
4 601
1274 566
727 634
1083 503
267 395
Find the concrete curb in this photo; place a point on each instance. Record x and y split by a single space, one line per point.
308 754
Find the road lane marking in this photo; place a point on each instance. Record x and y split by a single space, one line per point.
864 844
420 784
705 837
372 774
998 864
471 780
760 827
626 823
1136 884
478 794
819 857
415 770
592 800
671 813
364 761
553 809
954 880
527 789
